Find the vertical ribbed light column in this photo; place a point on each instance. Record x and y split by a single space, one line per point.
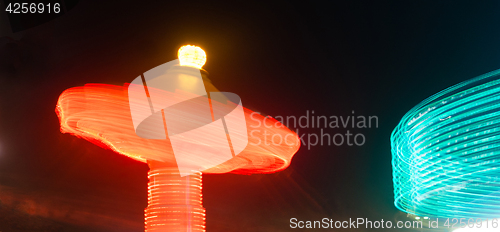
174 202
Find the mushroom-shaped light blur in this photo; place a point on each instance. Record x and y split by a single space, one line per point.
101 114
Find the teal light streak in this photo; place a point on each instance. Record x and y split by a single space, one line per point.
446 152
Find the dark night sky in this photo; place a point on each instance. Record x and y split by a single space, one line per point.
282 58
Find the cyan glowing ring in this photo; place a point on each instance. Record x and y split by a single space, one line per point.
446 152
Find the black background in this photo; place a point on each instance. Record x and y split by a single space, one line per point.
282 58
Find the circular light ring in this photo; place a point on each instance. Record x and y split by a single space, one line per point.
446 152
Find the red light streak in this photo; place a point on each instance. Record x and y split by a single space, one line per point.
101 114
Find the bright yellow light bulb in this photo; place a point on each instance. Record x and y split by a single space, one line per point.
193 56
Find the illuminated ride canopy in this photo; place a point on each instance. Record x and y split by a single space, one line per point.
446 152
102 114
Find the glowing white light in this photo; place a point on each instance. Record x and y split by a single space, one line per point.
190 55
